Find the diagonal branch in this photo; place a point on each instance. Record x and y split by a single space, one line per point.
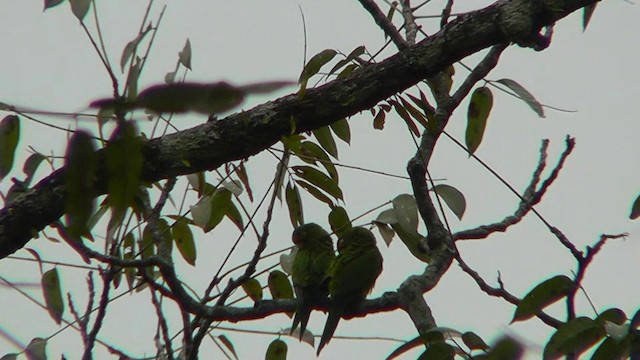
239 136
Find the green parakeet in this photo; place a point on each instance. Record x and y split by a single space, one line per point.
352 276
309 270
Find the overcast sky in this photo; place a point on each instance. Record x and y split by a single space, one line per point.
48 64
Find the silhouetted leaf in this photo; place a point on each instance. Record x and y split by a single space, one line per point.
311 153
477 115
131 48
453 198
294 204
342 131
313 190
400 110
339 220
31 165
473 341
506 348
228 344
279 285
587 12
51 289
613 315
81 165
352 55
544 294
325 139
51 3
319 179
37 349
635 209
575 336
611 349
124 166
241 171
80 8
438 351
277 350
525 95
313 67
183 237
9 136
234 215
185 55
378 120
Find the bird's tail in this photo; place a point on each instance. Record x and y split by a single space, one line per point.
301 317
329 329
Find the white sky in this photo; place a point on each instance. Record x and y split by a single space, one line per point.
48 64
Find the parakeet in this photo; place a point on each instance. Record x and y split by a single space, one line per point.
351 277
309 270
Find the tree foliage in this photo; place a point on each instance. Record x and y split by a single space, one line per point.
115 199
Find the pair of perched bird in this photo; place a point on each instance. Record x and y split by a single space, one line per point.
346 279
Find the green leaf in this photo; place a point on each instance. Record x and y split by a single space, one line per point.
477 115
400 110
219 202
313 67
415 113
611 349
319 179
279 285
234 215
124 166
342 130
9 136
183 237
613 315
438 351
309 152
37 349
81 165
411 240
184 56
406 212
52 3
352 56
12 356
294 204
453 198
131 48
524 95
575 336
635 209
544 294
79 8
378 120
339 221
315 192
474 341
228 344
325 139
51 289
253 289
241 171
277 350
586 15
31 165
411 344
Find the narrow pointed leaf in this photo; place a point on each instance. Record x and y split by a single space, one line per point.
325 139
311 153
253 289
525 95
544 294
342 130
438 351
313 67
81 163
131 48
277 350
219 204
228 344
53 294
415 113
233 214
587 12
319 179
313 190
241 171
352 55
52 3
400 110
635 209
183 238
294 204
9 136
124 166
477 115
453 198
379 119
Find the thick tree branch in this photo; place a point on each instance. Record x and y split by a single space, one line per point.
210 145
